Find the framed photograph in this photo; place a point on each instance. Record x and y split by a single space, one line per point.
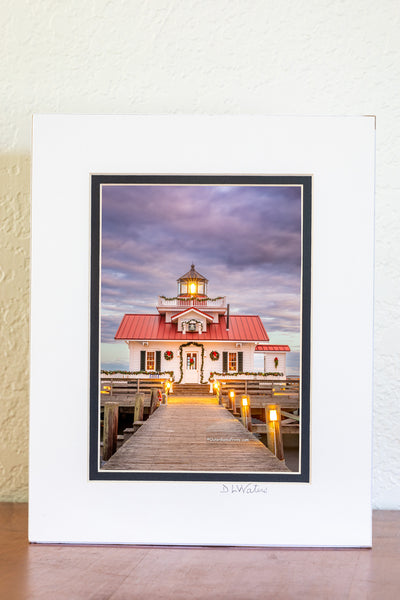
188 384
194 283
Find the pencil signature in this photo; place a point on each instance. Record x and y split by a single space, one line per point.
243 488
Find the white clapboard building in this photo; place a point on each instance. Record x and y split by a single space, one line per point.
193 338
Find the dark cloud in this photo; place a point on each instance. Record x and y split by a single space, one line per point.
245 240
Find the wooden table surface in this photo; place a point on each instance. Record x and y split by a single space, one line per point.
30 572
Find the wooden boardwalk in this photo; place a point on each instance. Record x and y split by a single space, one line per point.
193 434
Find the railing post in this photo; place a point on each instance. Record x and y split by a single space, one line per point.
246 412
232 401
274 433
153 400
167 390
219 395
139 407
110 429
218 391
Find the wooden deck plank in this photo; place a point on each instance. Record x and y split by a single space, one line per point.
194 434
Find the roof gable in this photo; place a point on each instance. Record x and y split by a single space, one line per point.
194 310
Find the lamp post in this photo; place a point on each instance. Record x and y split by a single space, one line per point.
167 390
232 401
217 389
245 412
274 433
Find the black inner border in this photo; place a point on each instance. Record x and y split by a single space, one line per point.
96 182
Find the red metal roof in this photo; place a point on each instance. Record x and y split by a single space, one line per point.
154 327
272 348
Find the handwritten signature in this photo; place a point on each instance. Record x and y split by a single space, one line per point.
243 488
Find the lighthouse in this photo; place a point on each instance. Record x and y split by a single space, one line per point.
192 338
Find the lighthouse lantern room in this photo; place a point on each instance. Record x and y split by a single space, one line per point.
192 284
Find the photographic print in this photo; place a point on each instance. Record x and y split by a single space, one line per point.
200 328
200 382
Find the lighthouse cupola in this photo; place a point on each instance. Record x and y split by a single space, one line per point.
192 284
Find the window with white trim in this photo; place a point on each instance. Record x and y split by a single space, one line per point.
150 361
232 361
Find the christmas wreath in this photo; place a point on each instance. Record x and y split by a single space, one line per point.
276 361
168 355
214 355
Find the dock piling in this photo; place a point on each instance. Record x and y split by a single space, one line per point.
110 429
139 407
154 400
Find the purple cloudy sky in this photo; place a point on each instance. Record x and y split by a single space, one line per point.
245 240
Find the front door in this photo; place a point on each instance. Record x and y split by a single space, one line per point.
191 367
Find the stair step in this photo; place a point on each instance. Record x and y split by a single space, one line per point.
191 389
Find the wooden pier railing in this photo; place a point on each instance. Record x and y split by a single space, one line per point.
141 397
123 391
284 393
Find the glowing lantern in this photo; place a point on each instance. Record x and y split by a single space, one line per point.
245 412
273 415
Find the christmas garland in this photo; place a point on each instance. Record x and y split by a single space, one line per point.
168 355
192 298
169 373
214 355
213 373
181 360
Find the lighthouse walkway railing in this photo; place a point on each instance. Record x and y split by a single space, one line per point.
123 390
124 387
283 393
187 302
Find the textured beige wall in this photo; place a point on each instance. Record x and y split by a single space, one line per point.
205 56
14 325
